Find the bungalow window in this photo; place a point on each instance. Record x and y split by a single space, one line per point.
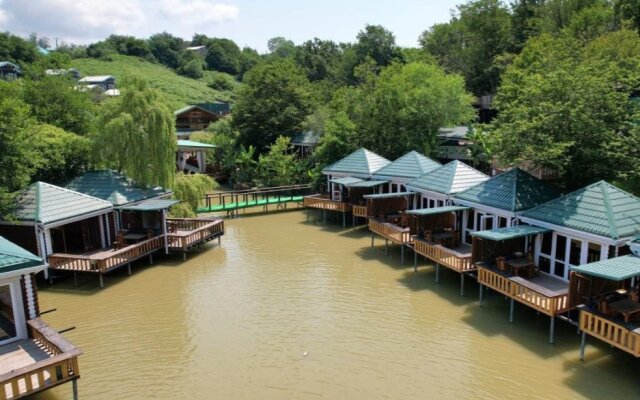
440 203
432 203
593 252
12 321
574 252
561 252
502 222
547 239
425 203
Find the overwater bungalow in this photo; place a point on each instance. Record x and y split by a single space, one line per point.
429 215
34 357
341 177
140 225
532 264
607 292
405 169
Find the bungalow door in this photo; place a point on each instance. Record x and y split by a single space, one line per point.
12 319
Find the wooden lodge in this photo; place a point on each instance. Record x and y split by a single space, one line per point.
104 82
347 181
34 357
197 117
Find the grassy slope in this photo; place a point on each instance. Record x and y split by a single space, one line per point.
178 89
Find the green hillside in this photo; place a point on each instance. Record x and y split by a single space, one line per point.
178 89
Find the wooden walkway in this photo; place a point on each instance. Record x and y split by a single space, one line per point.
263 197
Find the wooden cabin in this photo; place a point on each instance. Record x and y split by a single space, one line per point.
105 82
356 167
9 71
607 293
35 357
66 72
191 156
454 143
305 142
195 118
589 225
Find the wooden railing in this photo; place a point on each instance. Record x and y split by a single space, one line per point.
392 232
202 230
444 256
546 304
107 260
61 367
325 203
360 211
610 332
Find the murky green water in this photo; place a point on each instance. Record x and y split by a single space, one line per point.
236 322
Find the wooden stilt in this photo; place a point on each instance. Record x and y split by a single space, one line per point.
481 295
101 280
583 342
511 309
344 220
75 278
74 386
462 284
401 254
415 262
551 329
437 273
129 268
386 247
150 259
219 240
373 235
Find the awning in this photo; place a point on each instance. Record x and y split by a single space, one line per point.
150 205
613 269
346 180
366 184
512 232
387 195
436 210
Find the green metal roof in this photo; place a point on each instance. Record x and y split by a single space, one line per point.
113 187
45 203
436 210
511 232
450 178
150 205
308 138
613 269
600 208
201 107
345 181
14 257
361 161
387 195
514 190
410 165
366 184
194 144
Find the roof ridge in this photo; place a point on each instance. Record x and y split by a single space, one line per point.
37 190
608 209
514 203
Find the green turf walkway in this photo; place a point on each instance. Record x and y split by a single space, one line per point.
250 203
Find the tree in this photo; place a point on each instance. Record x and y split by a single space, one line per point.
54 100
379 44
628 10
166 49
566 108
318 58
223 55
245 164
59 155
281 47
274 100
279 167
249 58
192 69
16 49
190 190
138 135
15 146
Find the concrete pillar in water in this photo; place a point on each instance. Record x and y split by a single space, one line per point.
437 273
511 307
583 341
551 328
480 295
462 284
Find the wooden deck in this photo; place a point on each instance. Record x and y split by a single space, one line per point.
389 231
323 202
192 232
105 260
617 333
543 293
39 363
457 259
360 211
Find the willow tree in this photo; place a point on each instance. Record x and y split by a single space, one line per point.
136 136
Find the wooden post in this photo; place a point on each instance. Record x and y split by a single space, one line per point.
583 342
101 280
74 386
344 219
386 247
462 284
401 254
511 307
75 278
415 261
129 268
150 258
373 235
551 329
437 273
480 295
184 256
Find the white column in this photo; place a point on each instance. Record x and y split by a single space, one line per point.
604 252
47 241
537 247
106 222
584 252
18 309
31 304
